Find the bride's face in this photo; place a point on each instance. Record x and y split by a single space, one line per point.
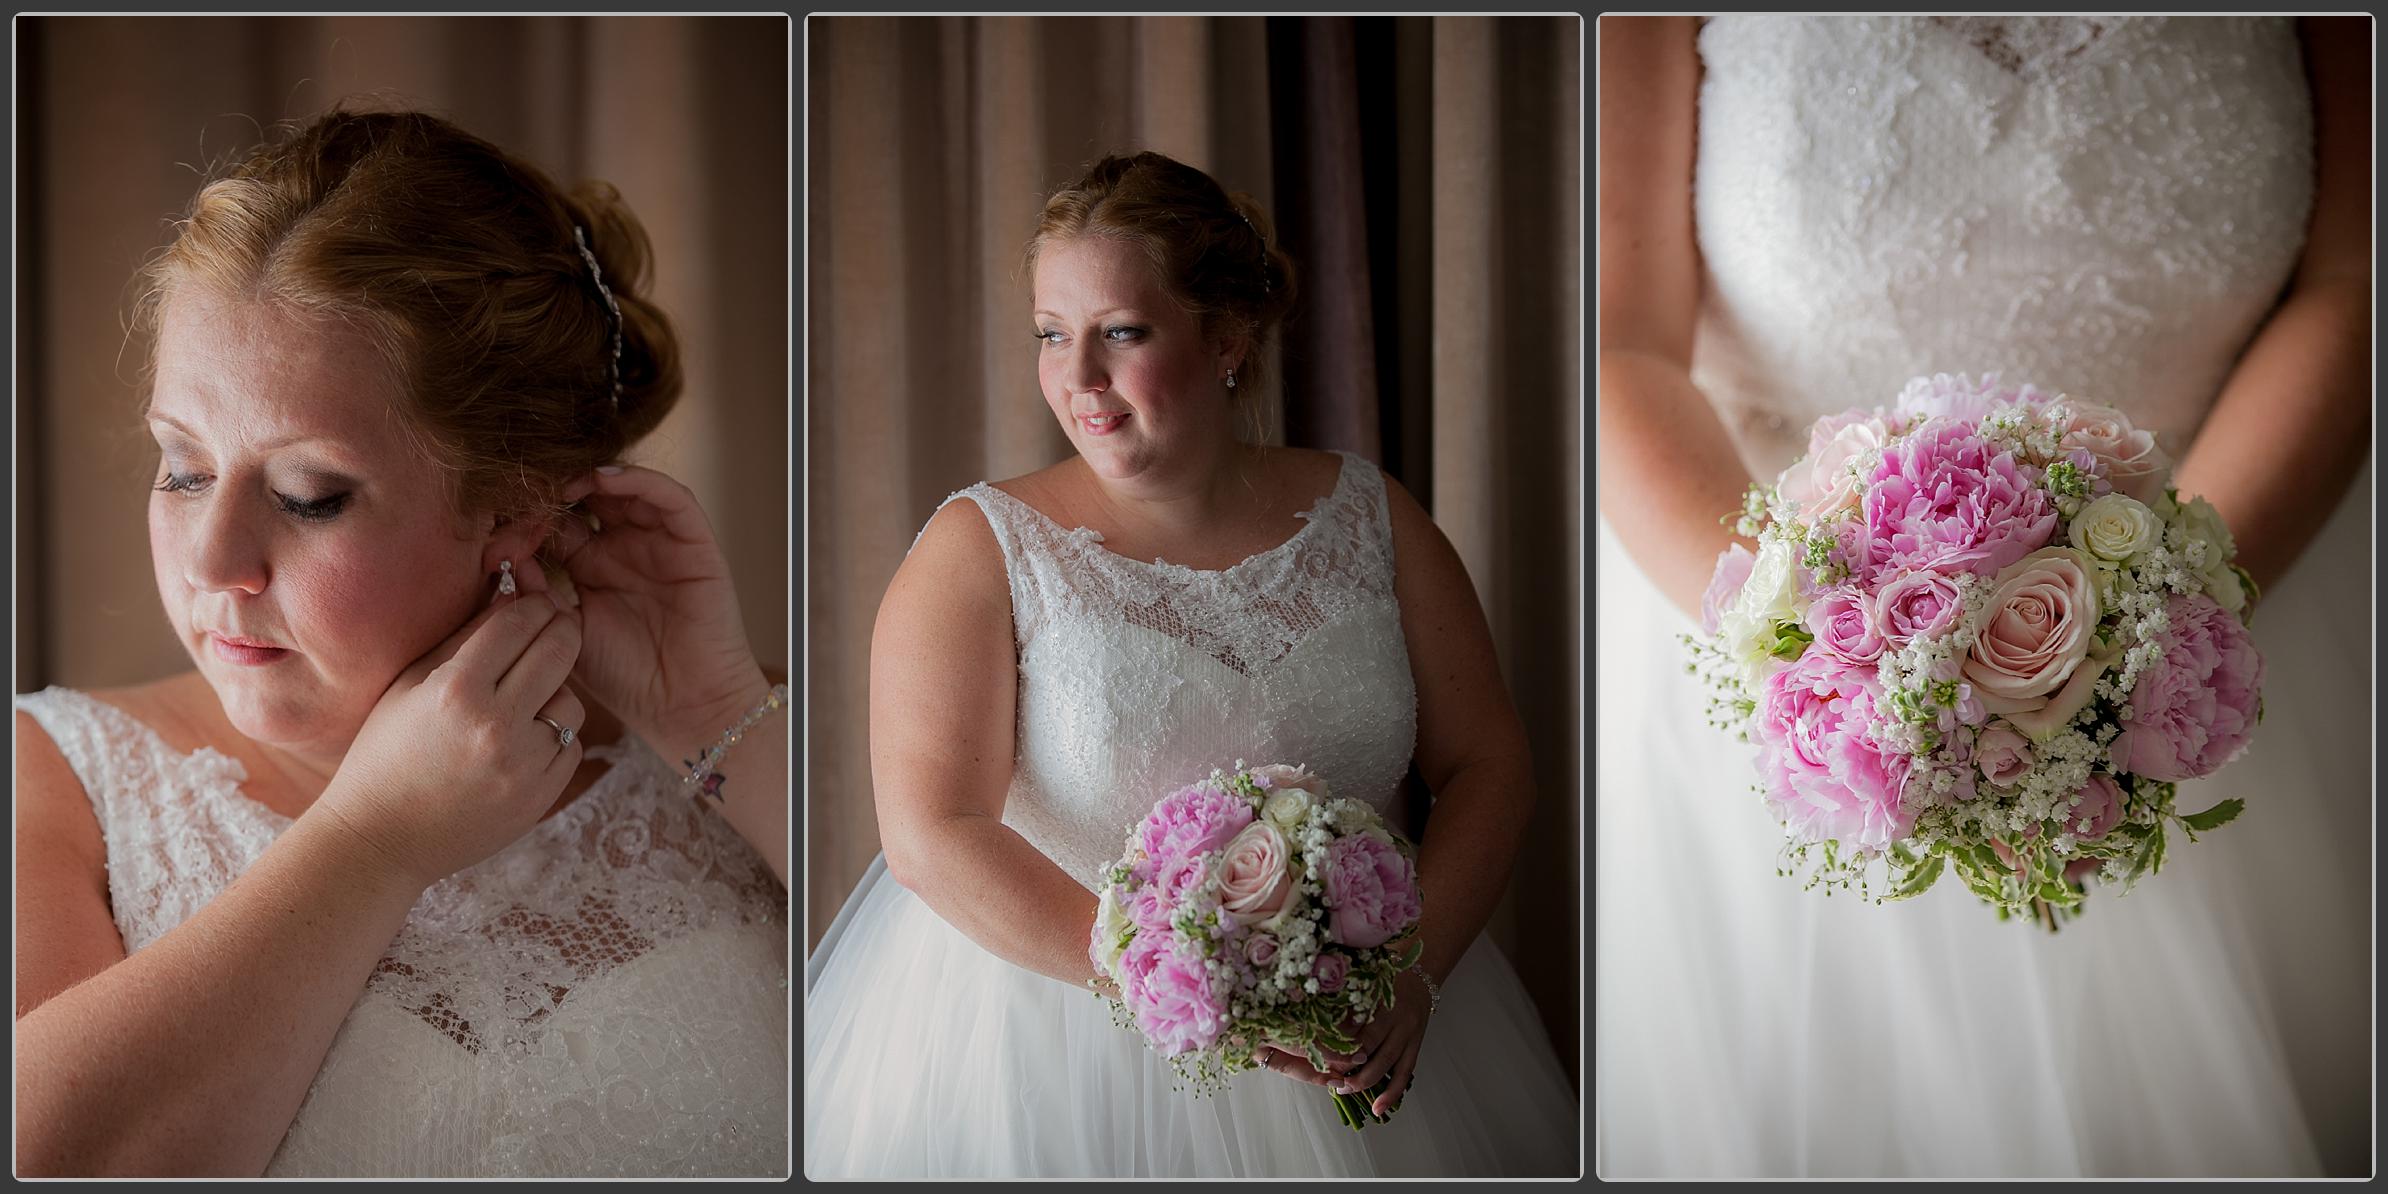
305 551
1123 366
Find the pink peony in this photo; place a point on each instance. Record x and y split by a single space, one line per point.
2098 808
2192 711
2043 615
1732 572
1330 970
2126 457
1825 777
1182 879
1148 910
1190 821
1943 501
1960 398
1843 622
1371 891
1915 605
1175 1003
1255 875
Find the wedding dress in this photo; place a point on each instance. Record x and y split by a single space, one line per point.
926 1056
605 997
2106 208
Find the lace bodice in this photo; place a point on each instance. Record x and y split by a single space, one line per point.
607 996
1136 678
2105 207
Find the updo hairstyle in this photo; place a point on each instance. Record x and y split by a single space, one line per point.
456 261
1213 250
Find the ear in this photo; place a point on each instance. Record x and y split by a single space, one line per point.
517 539
1228 350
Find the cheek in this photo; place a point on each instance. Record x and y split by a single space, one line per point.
373 611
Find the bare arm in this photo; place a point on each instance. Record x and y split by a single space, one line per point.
943 682
1472 749
1668 472
192 1056
2293 424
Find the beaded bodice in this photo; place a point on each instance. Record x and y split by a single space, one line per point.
2106 207
607 996
1138 677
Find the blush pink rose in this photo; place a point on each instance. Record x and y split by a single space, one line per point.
1255 875
1285 775
1961 398
1371 891
1260 949
1732 571
2127 457
1916 605
2194 709
1843 622
1826 777
2002 754
2098 810
2043 614
1945 500
1823 483
1177 1007
1190 821
1330 970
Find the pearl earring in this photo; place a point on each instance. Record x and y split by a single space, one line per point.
505 578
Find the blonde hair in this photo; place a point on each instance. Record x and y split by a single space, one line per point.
456 261
1212 249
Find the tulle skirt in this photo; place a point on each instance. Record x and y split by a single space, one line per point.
928 1057
2214 1023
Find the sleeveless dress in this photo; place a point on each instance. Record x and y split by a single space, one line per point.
605 997
2107 208
926 1056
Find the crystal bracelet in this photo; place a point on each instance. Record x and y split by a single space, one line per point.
701 780
1434 993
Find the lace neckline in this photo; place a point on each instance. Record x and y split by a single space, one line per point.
1094 538
208 763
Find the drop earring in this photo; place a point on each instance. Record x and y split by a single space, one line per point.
1231 379
505 578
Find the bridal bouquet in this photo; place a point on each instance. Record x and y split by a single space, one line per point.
1254 909
1981 634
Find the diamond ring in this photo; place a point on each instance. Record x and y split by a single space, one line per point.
563 733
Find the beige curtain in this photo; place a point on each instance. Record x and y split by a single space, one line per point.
688 116
931 143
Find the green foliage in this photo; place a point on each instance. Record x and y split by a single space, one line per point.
1918 880
2213 818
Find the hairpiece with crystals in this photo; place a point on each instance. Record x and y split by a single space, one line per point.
580 237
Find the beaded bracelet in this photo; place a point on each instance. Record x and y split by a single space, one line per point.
1434 993
701 780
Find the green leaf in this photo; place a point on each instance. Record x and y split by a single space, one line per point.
1918 881
2215 817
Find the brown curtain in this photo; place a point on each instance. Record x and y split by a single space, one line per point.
688 116
1426 175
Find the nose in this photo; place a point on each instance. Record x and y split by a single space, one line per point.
1084 372
226 548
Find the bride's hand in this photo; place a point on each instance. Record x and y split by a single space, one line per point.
1391 1042
664 647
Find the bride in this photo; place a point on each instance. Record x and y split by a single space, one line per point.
403 881
2165 215
1061 649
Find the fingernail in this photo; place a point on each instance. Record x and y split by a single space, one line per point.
557 599
609 469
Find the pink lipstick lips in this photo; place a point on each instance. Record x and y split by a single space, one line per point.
1103 422
247 652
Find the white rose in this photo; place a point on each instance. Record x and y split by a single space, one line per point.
1111 925
1772 590
2118 528
2222 584
1286 808
2200 521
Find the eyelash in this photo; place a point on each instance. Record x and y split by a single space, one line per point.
322 509
1134 333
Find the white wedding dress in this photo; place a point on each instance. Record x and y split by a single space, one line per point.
605 997
2107 208
928 1057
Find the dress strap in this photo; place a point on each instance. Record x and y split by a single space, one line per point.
1017 528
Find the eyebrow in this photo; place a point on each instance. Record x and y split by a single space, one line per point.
1097 315
284 442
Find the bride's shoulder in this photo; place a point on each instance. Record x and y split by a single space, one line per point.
174 708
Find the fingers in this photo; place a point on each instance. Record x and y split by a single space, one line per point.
651 495
565 710
480 651
1403 1072
543 664
1380 1062
1292 1066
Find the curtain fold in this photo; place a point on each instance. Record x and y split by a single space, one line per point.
1423 172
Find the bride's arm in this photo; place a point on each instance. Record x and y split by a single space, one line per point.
2293 424
942 693
1667 470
